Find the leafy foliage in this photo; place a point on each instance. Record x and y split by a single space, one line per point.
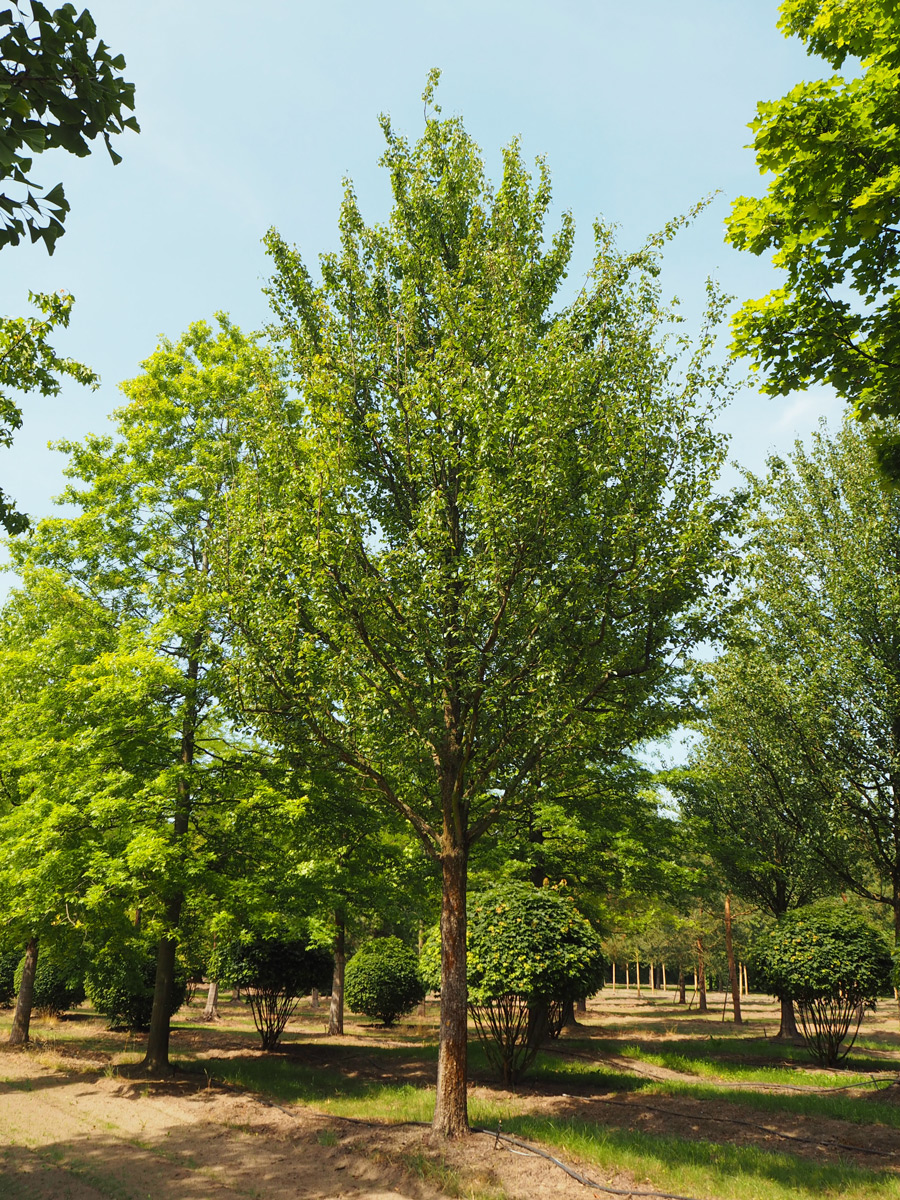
58 982
120 983
831 213
529 950
833 963
383 980
9 960
59 88
277 973
28 363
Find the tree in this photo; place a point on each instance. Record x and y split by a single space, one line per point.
149 500
831 215
475 539
834 964
59 89
811 721
759 818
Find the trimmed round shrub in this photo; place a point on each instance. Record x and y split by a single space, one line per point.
529 953
120 982
276 972
833 964
382 980
58 982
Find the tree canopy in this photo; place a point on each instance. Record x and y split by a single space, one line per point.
831 213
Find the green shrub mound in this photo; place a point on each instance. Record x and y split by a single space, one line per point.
120 982
529 953
276 972
58 982
9 960
833 964
383 981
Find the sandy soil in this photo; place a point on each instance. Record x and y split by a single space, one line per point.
72 1129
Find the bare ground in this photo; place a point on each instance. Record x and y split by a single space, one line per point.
71 1129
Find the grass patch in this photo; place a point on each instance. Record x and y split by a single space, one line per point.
703 1062
705 1168
853 1109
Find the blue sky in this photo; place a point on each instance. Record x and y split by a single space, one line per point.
252 116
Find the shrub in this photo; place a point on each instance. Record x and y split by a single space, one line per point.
276 973
9 960
529 952
120 982
832 963
383 980
58 982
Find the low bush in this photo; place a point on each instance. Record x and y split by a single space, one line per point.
276 972
58 982
120 981
9 960
383 980
529 953
833 964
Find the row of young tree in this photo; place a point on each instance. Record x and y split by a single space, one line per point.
346 619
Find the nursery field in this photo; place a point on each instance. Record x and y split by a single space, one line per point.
644 1097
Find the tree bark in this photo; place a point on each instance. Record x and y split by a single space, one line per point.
581 1006
637 973
18 1035
682 998
156 1060
314 999
732 969
788 1031
701 976
568 1015
211 1009
336 1008
451 1118
614 977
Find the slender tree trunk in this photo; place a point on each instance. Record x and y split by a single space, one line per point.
788 1031
701 976
336 1008
614 977
665 986
637 973
451 1118
314 999
156 1060
682 998
732 969
18 1035
627 977
211 1008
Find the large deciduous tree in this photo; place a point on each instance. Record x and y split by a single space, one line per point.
804 732
148 501
831 215
474 540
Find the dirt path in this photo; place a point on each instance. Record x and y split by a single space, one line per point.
70 1133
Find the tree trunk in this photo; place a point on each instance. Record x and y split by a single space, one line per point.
682 998
18 1035
336 1008
156 1060
314 999
627 977
614 977
788 1031
211 1010
637 974
732 969
568 1015
451 1118
701 976
581 1006
664 985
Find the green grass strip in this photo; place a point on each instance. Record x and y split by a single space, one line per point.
701 1168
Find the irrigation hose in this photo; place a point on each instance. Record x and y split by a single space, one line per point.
576 1175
